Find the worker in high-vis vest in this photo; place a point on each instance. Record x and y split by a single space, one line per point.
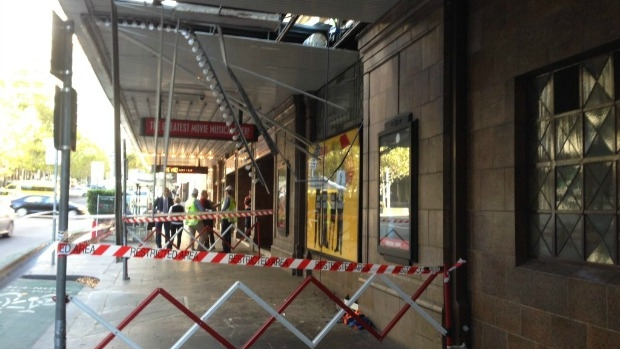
194 225
227 231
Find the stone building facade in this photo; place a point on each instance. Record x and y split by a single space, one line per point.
516 143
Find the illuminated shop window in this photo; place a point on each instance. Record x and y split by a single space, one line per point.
333 197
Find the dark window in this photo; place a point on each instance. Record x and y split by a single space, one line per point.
344 110
566 89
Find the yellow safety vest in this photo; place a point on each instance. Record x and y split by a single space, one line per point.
232 206
190 207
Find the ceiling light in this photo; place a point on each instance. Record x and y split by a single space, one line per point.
151 26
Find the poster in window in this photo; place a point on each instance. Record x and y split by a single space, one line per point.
281 214
333 196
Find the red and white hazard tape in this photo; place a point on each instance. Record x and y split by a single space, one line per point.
394 220
240 259
202 215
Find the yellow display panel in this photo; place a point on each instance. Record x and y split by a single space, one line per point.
333 197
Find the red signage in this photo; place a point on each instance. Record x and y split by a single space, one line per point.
395 243
197 129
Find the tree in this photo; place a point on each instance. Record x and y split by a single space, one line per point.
26 107
86 152
134 162
394 165
26 114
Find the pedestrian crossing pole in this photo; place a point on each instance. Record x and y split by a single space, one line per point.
65 122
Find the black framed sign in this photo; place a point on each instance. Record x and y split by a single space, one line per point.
398 190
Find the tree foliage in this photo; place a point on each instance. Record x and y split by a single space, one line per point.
396 160
133 162
393 166
86 152
26 116
26 109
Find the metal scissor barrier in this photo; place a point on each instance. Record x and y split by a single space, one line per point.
232 229
377 273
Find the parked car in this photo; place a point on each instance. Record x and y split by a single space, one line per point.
6 222
41 204
78 191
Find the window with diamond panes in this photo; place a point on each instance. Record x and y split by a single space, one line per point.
574 152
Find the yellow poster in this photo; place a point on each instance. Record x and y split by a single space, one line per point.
333 197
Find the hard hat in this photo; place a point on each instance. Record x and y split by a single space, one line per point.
195 192
229 188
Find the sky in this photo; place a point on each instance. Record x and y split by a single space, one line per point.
25 41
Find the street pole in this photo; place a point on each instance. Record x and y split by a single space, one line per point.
124 226
64 140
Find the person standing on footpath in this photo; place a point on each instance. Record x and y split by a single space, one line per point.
229 205
208 223
247 205
192 205
162 205
177 226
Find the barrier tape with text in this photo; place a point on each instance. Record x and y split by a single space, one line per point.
65 249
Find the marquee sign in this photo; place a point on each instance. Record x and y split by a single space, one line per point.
196 129
182 169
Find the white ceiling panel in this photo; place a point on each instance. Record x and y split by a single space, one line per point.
269 71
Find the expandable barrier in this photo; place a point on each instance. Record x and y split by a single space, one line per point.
178 217
377 272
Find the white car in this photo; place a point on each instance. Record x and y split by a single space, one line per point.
6 221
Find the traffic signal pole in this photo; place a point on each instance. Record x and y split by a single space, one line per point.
64 141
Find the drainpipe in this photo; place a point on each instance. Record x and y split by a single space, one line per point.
455 157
